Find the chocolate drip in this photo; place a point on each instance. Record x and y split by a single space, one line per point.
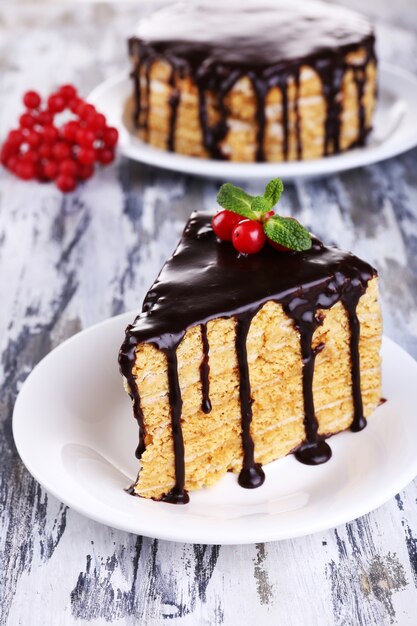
261 92
216 46
350 302
313 451
173 102
126 362
297 117
134 75
212 79
251 474
127 357
205 371
211 281
177 495
359 77
359 421
331 72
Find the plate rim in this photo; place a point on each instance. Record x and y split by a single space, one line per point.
292 170
331 520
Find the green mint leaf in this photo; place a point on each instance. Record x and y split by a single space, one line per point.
288 232
236 199
260 205
273 191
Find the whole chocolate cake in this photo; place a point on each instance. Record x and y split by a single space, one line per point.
255 80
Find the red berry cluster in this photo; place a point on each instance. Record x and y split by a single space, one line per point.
247 235
39 149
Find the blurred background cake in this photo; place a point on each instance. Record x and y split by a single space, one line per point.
265 80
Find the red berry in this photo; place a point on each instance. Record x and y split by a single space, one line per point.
85 171
38 149
30 156
50 134
50 169
31 99
223 224
24 170
15 137
65 183
7 151
33 139
5 155
84 110
56 103
267 215
40 173
69 167
45 151
61 151
86 156
105 156
11 163
85 137
110 136
45 118
74 104
26 120
248 237
96 122
68 92
69 130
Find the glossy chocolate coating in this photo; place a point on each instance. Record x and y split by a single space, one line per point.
255 34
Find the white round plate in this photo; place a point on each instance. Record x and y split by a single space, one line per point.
395 131
74 430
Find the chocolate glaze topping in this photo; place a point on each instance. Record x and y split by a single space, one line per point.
206 279
205 371
252 474
269 41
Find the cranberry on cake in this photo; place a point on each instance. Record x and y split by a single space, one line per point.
249 348
254 80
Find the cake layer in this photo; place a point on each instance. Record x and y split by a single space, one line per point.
212 442
236 361
302 85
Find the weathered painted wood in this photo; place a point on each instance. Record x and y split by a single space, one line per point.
68 263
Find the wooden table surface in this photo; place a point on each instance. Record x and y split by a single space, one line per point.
66 263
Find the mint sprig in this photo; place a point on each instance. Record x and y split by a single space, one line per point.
236 200
285 231
273 191
260 205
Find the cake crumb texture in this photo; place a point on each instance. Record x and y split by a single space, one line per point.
212 441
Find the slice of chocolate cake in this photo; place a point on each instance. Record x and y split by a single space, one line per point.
236 360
